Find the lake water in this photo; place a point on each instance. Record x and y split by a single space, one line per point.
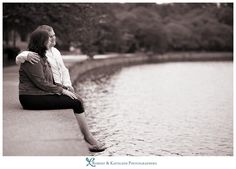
168 109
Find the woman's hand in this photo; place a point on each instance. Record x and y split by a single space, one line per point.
79 98
70 88
69 93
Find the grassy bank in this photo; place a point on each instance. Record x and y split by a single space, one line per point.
193 56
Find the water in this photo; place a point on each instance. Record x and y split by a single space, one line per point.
171 109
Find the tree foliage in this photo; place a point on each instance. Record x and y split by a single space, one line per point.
115 27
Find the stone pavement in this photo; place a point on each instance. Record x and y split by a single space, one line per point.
37 133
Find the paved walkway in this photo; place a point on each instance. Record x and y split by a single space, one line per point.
43 133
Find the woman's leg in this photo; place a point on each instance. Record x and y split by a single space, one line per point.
93 145
84 129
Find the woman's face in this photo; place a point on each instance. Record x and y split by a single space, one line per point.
48 43
52 39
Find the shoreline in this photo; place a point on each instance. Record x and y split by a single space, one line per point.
80 68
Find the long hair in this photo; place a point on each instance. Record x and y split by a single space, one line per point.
37 43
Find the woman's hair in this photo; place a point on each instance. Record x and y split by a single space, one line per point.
37 43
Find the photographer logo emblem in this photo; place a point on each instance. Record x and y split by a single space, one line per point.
90 162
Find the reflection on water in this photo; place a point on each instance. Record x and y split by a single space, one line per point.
162 109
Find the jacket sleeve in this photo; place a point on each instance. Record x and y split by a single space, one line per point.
36 75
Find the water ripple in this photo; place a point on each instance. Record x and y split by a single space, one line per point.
174 109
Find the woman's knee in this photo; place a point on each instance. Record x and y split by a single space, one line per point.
78 106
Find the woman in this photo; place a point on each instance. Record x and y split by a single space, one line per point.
38 91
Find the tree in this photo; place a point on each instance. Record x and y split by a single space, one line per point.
127 27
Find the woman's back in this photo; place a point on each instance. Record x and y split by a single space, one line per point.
37 79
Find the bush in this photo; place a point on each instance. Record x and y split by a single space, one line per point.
11 52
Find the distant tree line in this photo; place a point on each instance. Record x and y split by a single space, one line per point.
130 27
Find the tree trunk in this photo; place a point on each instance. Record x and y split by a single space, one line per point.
14 38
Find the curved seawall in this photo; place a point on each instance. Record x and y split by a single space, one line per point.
80 68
